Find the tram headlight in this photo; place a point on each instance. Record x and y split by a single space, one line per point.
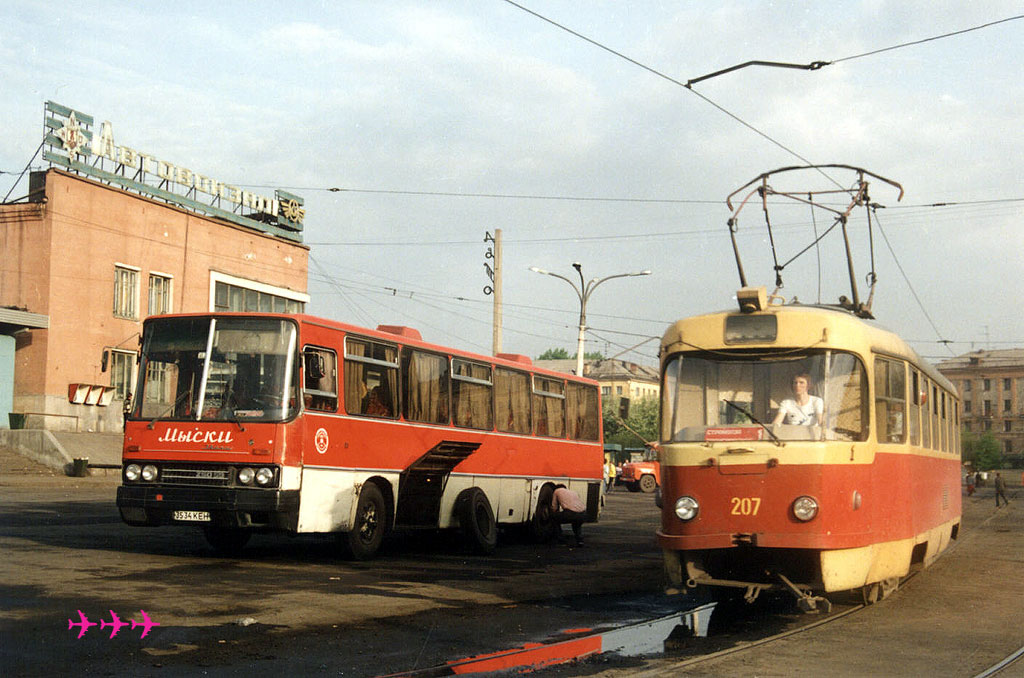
805 508
686 508
264 476
132 472
149 473
246 475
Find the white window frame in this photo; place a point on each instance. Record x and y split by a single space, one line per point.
129 383
168 293
126 304
216 277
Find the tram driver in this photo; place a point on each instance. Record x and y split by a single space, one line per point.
803 409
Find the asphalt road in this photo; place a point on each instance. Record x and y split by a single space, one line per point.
293 605
296 606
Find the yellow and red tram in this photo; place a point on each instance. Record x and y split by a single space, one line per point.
863 488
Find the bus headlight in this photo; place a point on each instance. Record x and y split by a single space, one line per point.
686 508
805 508
149 473
246 475
132 472
264 476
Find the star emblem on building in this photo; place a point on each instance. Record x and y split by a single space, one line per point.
72 136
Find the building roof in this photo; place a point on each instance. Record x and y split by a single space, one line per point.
999 359
604 370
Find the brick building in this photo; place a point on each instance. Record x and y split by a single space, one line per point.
88 254
991 386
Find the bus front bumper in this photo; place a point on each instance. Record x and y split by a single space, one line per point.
207 506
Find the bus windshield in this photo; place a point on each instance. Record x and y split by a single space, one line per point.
218 369
813 395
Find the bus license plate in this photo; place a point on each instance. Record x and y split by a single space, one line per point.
192 516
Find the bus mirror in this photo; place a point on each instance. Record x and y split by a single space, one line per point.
623 408
314 366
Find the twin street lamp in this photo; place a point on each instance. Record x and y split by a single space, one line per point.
584 291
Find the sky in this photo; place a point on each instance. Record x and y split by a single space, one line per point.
443 121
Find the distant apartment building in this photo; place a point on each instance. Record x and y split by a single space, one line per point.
92 249
991 386
617 378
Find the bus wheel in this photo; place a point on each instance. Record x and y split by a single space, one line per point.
647 483
542 527
367 532
227 541
633 486
477 520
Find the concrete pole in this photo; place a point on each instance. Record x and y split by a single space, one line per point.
497 292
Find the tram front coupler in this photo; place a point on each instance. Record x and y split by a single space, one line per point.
805 600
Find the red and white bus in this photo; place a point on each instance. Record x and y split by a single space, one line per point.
245 422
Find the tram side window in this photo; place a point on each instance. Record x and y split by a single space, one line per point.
511 401
926 417
425 379
582 411
890 400
915 407
371 378
945 424
472 394
320 379
549 407
936 430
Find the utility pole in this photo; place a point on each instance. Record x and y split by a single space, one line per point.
495 287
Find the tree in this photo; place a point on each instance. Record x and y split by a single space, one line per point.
983 451
554 354
642 419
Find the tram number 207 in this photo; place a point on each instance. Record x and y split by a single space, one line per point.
745 506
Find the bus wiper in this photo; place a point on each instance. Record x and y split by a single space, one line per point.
748 413
180 399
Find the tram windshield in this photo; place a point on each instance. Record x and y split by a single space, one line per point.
815 395
218 369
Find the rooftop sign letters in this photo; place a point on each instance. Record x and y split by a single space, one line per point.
72 143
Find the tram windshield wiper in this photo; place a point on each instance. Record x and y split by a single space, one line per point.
750 415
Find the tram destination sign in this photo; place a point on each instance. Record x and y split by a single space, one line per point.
72 141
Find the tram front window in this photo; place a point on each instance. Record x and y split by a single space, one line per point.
818 395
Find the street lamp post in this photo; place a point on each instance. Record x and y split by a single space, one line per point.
584 291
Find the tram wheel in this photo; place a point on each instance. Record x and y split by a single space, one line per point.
647 483
870 593
227 541
367 532
477 520
888 586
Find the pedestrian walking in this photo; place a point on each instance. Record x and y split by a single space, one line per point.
1001 489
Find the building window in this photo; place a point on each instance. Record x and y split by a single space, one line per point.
159 294
1006 405
988 425
987 384
967 407
1007 385
1007 426
229 297
988 408
122 365
126 293
1009 446
967 385
606 390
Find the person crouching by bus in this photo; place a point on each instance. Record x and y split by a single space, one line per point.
568 508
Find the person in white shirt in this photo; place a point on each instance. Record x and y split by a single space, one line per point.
803 409
569 508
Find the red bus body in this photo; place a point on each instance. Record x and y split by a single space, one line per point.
321 452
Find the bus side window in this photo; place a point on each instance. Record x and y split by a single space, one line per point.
582 411
549 407
320 379
371 378
512 401
472 394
